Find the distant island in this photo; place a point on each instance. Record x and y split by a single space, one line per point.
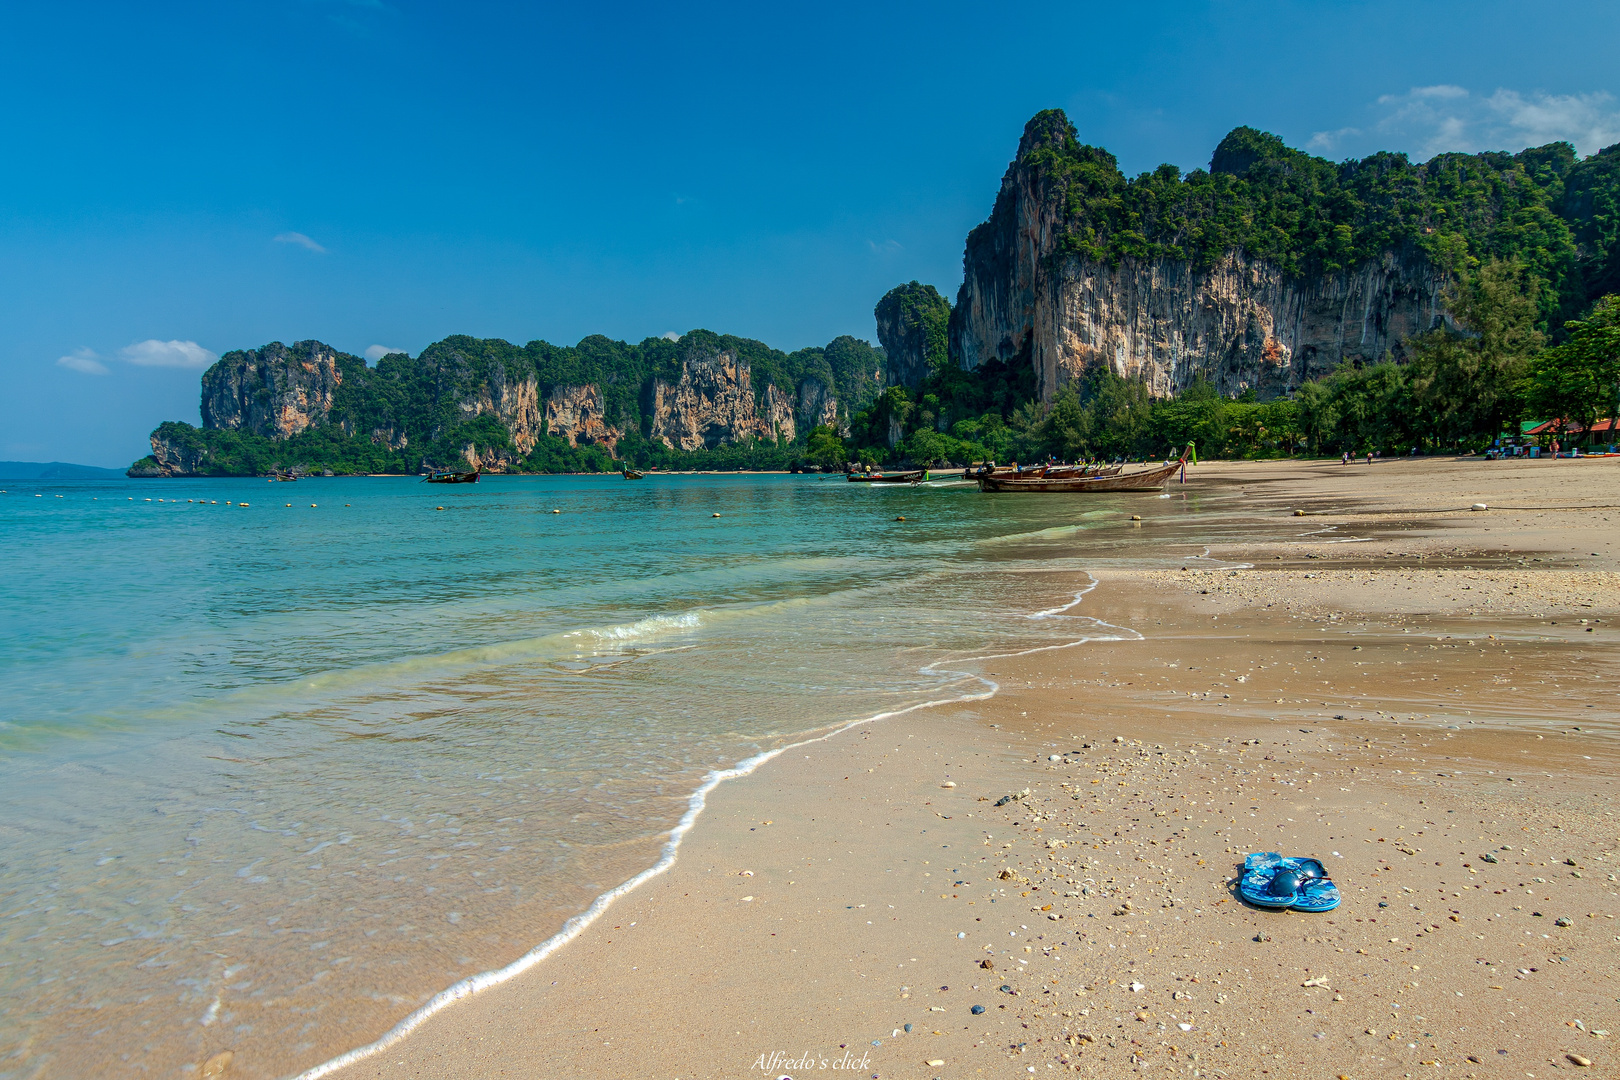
54 470
1274 303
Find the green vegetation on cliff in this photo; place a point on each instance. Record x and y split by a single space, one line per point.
1557 216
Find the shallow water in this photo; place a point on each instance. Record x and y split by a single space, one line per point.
275 775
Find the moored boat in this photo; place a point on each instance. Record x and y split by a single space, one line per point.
442 477
914 476
632 474
1113 478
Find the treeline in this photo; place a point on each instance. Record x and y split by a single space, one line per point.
1458 390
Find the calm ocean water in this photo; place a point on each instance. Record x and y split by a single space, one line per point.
275 775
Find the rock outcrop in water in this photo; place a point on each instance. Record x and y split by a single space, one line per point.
491 405
1242 321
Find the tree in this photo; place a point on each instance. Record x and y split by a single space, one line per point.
1468 385
824 447
1579 382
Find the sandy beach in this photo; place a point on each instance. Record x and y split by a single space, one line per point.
1419 694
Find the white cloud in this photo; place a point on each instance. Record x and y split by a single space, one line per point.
670 335
155 353
1436 119
888 247
301 240
1325 142
377 352
83 361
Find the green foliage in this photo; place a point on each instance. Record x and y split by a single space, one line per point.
914 319
1560 219
1579 381
823 446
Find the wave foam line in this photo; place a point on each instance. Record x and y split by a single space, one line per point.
695 806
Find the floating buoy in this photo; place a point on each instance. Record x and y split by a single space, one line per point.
1136 517
900 518
312 506
438 508
556 511
289 504
348 504
716 515
241 504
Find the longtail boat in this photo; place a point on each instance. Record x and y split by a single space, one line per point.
632 474
451 478
1112 478
915 476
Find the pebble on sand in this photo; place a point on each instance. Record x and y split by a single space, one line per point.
977 1009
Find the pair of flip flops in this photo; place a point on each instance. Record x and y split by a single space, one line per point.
1271 880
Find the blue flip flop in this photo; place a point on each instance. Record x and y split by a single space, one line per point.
1273 881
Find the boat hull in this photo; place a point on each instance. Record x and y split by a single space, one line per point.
452 478
1152 479
888 478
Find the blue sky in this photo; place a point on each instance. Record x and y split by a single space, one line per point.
182 180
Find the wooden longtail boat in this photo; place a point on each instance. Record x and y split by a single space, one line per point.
632 474
451 478
915 476
1111 479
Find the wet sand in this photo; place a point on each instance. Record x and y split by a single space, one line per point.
1392 683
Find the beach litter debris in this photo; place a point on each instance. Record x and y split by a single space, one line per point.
1015 797
1479 506
934 1063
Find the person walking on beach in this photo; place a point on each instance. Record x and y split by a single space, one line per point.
1369 457
1344 459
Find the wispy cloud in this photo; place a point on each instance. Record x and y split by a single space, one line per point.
155 353
377 352
670 335
1431 120
83 361
887 247
301 240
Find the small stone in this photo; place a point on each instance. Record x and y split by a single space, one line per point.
908 1029
934 1063
987 965
948 783
1578 1061
1561 922
1487 857
1137 988
977 1009
1299 513
1054 757
1262 936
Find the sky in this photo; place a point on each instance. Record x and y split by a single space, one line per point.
182 180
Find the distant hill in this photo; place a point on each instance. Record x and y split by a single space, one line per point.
54 470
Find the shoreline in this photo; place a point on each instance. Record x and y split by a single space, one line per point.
440 1047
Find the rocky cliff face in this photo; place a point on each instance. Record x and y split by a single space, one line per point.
713 403
487 404
1242 322
912 325
817 406
276 391
578 414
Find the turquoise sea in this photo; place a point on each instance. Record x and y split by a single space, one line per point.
276 774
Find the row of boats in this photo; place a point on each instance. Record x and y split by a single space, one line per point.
1070 479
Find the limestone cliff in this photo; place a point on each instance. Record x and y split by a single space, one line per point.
276 391
713 402
496 406
912 325
1028 297
577 414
